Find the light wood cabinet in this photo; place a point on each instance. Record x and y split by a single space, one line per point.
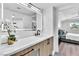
29 51
43 48
48 47
41 45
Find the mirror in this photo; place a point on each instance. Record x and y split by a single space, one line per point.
20 17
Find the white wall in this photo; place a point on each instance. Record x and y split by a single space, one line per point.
48 21
50 25
55 29
0 13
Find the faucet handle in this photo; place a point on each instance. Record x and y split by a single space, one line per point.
38 32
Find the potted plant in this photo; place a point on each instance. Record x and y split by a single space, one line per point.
11 37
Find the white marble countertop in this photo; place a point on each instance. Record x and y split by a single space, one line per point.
6 50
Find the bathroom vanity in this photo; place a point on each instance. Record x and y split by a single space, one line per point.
24 22
43 48
41 45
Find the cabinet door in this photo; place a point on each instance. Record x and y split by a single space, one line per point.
32 51
41 49
24 52
41 45
48 47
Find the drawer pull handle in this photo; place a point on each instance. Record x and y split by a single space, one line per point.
48 42
27 52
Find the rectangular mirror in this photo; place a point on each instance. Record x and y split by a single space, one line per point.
19 17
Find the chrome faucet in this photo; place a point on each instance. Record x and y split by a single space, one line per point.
37 33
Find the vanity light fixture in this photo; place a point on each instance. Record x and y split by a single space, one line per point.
31 6
23 4
36 9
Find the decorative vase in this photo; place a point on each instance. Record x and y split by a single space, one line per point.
11 39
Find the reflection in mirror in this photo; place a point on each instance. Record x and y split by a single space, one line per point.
18 17
21 20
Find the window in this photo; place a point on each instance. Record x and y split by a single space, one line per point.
74 25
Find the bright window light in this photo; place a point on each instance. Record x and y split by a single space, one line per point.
74 25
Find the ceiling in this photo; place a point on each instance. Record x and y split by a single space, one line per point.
18 8
69 11
59 6
64 9
47 5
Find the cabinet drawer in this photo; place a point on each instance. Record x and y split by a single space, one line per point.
28 51
48 46
24 52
